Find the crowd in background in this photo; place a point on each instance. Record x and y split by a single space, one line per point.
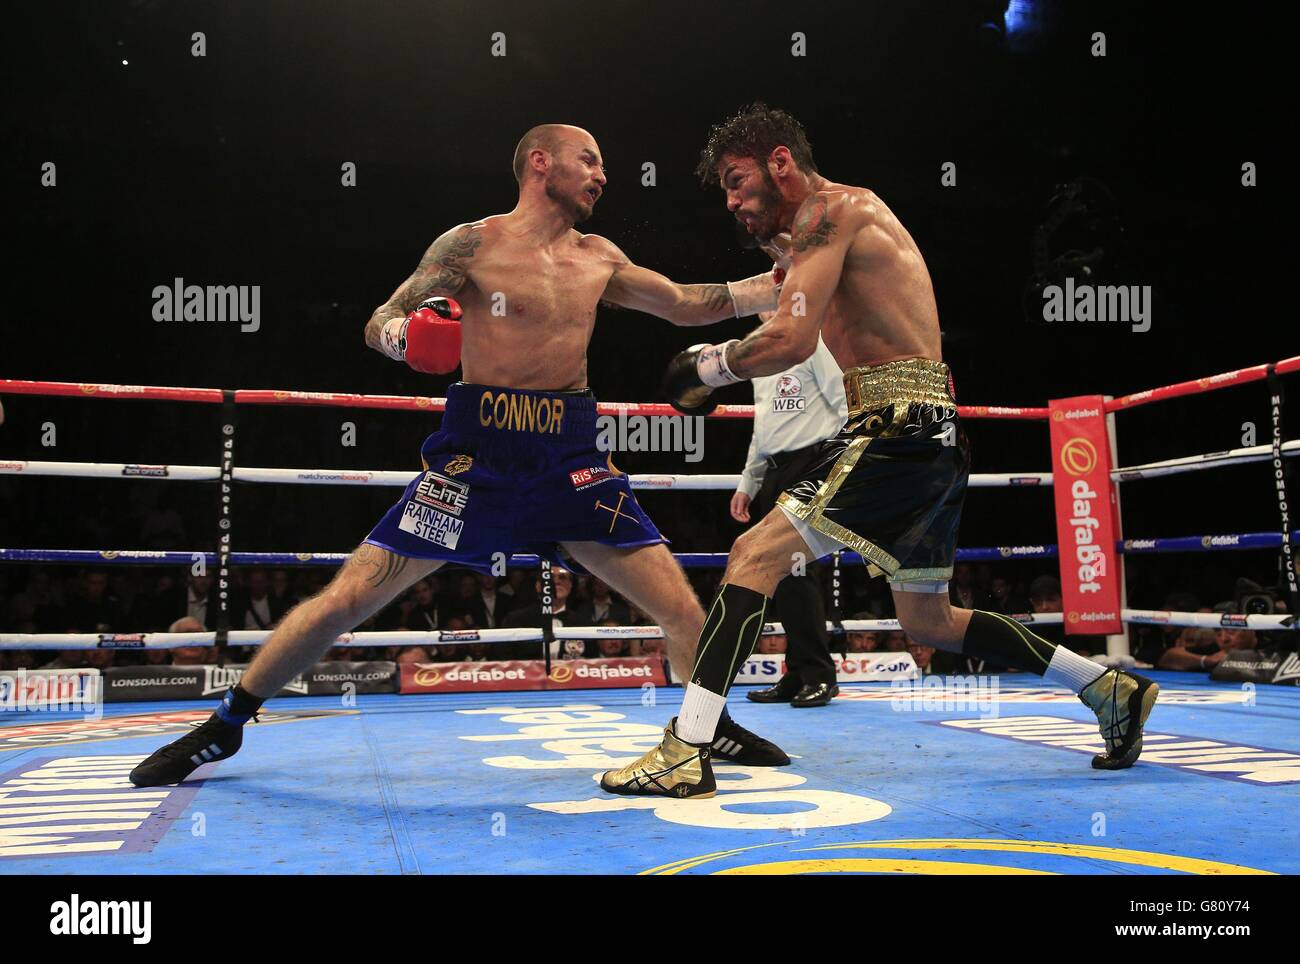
50 599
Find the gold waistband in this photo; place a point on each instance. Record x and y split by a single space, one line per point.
910 380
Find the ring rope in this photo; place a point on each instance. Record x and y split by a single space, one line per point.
137 641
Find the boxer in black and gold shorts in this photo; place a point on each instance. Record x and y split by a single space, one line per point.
890 485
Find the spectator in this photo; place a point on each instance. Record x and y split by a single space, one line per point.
962 589
424 614
923 656
413 654
191 655
464 596
157 608
100 659
896 641
521 590
771 645
198 599
1001 599
531 615
97 611
1234 638
612 648
863 641
487 606
261 610
479 652
1169 648
603 606
156 657
282 590
1045 597
645 647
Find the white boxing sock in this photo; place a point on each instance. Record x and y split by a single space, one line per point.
1072 670
698 717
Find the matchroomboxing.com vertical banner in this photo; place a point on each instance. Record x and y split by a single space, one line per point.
1086 530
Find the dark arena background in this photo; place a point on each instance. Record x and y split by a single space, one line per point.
306 154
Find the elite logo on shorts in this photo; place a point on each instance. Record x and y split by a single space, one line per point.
442 493
431 525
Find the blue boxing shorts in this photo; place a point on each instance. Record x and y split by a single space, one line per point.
512 470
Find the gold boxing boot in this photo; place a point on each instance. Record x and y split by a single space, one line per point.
1122 702
672 769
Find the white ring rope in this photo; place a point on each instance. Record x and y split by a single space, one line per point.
382 477
137 641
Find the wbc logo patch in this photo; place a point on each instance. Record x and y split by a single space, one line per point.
789 395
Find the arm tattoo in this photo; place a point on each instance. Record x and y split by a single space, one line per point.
381 566
442 270
748 347
713 297
812 225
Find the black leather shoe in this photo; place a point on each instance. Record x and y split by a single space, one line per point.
783 691
816 694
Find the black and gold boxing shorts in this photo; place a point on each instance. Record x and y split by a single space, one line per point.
890 485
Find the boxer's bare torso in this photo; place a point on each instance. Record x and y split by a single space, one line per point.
883 308
529 284
530 303
529 309
857 276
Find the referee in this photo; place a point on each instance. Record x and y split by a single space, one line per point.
793 412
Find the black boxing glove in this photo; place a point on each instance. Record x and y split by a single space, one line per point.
692 376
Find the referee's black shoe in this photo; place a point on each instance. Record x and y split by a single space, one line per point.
783 691
816 694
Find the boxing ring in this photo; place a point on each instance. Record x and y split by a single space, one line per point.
980 775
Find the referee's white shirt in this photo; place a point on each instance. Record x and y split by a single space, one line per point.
797 408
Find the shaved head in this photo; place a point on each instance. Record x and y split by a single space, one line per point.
547 137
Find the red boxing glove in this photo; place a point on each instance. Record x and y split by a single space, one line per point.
428 339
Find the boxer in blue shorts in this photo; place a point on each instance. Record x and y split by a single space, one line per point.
514 467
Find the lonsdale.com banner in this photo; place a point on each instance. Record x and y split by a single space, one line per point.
1086 517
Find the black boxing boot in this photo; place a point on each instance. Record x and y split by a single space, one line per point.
219 737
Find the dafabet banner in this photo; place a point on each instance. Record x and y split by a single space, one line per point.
1086 518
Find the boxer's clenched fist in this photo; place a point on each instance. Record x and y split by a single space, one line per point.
694 374
428 339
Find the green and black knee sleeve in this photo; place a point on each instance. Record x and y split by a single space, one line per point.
731 631
1000 639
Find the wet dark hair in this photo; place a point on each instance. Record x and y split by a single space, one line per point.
755 132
